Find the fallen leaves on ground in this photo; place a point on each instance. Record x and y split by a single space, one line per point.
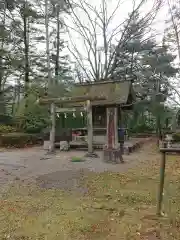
116 206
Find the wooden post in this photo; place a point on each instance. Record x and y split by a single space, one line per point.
163 151
90 130
112 128
122 138
112 152
161 185
53 128
89 127
116 144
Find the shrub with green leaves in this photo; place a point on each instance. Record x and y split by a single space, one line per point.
7 129
34 118
19 140
34 123
141 128
176 137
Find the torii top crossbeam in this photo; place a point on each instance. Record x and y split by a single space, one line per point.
69 99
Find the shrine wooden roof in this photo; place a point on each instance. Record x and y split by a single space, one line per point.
115 92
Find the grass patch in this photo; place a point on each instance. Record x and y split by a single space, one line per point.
117 206
77 159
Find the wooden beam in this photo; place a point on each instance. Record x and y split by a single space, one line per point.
161 185
53 128
69 99
66 110
169 150
89 127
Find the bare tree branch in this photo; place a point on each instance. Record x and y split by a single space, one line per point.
143 23
97 39
175 28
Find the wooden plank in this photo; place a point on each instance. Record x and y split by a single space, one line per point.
169 150
66 110
69 99
95 128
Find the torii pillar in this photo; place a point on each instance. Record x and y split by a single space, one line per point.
90 131
112 151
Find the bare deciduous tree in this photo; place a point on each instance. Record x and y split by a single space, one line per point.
98 58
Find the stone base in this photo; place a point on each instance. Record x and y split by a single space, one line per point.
46 145
91 155
64 146
113 155
126 151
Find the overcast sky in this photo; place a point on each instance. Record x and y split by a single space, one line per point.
125 8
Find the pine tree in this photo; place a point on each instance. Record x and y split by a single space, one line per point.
5 40
149 66
128 54
172 31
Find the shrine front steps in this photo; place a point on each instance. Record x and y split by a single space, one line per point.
129 146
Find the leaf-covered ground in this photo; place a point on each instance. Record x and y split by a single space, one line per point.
116 206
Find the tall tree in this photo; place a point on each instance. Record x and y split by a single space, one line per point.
127 57
172 31
98 60
50 80
25 17
5 40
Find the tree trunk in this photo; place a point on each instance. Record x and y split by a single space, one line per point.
26 55
158 128
1 73
2 105
50 82
57 57
57 44
14 101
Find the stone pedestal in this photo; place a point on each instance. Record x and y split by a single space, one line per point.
46 145
64 146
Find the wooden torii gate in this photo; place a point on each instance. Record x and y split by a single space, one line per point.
112 152
87 107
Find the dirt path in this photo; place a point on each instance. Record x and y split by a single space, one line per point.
33 165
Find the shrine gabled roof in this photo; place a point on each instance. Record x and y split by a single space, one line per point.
115 92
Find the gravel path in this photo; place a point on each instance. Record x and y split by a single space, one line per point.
33 165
